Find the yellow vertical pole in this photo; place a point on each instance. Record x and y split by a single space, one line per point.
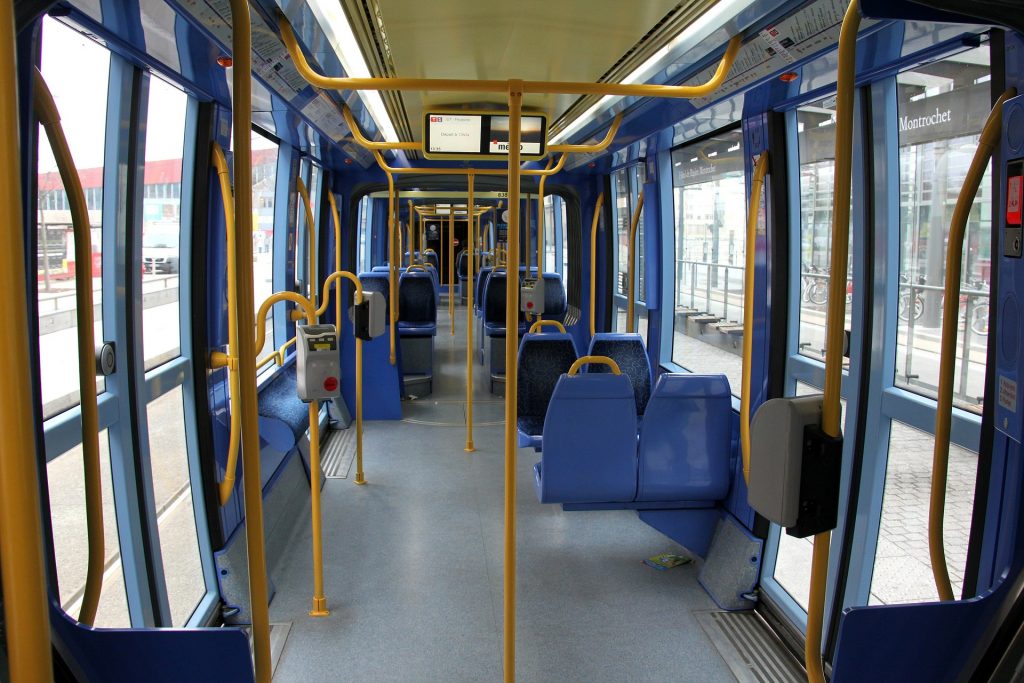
21 529
526 251
633 225
451 267
593 263
541 237
515 103
835 318
336 222
392 270
470 268
241 44
412 235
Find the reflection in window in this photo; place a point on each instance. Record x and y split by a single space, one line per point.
75 69
179 543
941 107
710 215
264 184
903 570
161 223
816 135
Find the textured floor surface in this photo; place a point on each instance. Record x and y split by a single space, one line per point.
413 566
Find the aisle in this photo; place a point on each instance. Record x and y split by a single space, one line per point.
413 566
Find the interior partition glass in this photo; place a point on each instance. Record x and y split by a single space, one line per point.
621 210
264 186
941 107
549 233
710 221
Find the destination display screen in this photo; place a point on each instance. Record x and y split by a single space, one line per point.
448 135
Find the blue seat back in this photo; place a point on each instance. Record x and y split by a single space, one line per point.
494 299
377 282
481 284
380 269
432 258
555 302
416 301
589 446
685 439
462 265
628 350
543 358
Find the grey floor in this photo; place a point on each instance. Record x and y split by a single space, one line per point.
413 566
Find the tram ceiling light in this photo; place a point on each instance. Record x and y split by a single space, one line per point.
734 148
335 26
712 20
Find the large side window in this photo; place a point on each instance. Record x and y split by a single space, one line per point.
264 185
710 219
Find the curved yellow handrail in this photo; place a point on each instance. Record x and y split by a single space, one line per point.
987 144
634 225
597 147
540 219
547 323
276 298
593 262
403 170
416 266
451 271
227 484
46 111
760 169
336 220
599 360
363 141
834 319
500 86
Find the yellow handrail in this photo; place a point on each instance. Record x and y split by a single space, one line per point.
310 242
540 219
526 251
21 530
601 360
470 269
46 111
392 270
987 144
835 318
241 112
451 270
546 323
634 224
405 170
412 236
501 86
416 266
363 141
596 147
760 169
336 220
227 484
593 263
515 103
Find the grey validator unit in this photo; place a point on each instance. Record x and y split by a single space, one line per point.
369 319
531 296
317 363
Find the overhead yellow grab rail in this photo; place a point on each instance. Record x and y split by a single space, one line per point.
26 616
540 220
241 119
230 359
760 169
500 86
634 224
835 318
593 263
363 141
546 323
451 270
947 350
46 111
596 147
402 170
470 270
599 360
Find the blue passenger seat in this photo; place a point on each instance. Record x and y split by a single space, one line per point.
555 303
589 442
543 358
628 350
377 282
417 306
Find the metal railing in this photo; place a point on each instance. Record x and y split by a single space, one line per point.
714 288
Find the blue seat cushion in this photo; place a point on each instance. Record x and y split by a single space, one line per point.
414 329
278 399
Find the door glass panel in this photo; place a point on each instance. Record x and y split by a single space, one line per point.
264 186
793 560
941 108
816 133
710 217
75 69
638 264
161 223
565 244
902 566
176 520
66 484
621 207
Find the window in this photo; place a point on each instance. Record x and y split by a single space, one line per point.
565 241
710 216
310 174
621 206
364 263
549 233
940 108
75 69
264 185
161 223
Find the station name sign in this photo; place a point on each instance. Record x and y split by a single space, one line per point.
481 135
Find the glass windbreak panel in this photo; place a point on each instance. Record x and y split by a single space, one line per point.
902 566
793 560
638 265
549 234
621 207
75 68
565 242
816 135
161 223
179 542
941 107
363 264
300 230
710 216
264 185
66 485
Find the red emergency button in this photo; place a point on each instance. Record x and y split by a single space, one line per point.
529 304
331 384
1014 194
